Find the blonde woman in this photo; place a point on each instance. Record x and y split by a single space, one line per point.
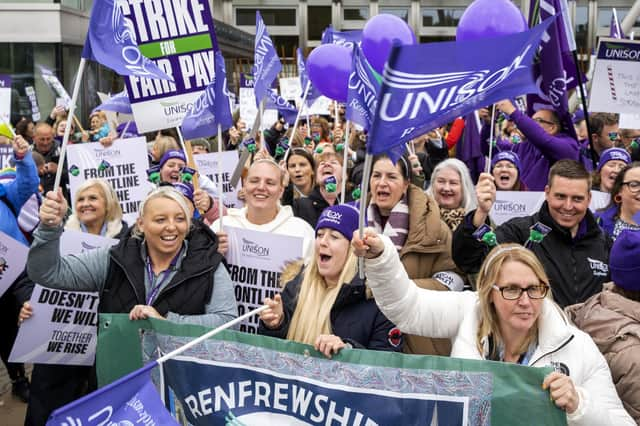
510 319
326 303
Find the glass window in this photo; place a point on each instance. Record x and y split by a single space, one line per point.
582 27
356 14
285 45
435 39
400 12
435 17
605 13
319 19
271 17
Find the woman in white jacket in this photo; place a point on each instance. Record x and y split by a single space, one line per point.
509 319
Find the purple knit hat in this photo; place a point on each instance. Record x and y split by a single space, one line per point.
614 154
623 260
342 218
169 155
506 155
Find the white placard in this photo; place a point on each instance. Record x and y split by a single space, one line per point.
616 79
629 121
510 204
208 166
13 258
124 165
248 109
599 200
256 260
62 330
5 98
290 88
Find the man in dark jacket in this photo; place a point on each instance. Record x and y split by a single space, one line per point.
573 249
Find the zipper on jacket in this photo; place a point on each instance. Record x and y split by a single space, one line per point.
128 277
553 351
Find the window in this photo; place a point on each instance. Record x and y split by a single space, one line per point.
271 17
400 12
435 39
319 19
582 27
356 14
434 17
605 13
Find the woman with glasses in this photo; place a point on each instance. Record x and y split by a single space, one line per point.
505 168
611 162
622 211
509 319
543 142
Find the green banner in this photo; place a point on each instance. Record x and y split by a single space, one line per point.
371 385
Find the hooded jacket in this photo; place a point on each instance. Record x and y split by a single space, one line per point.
456 316
355 318
283 224
14 195
577 267
613 322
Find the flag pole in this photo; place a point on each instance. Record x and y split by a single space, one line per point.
209 334
363 205
345 159
491 134
67 128
220 205
295 124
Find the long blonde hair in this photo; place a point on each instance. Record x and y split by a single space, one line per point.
312 316
489 272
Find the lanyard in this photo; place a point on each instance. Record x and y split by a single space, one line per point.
155 289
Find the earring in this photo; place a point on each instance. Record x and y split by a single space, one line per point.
617 199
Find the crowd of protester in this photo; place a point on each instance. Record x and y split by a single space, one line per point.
441 277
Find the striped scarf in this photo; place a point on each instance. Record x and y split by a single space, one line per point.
397 226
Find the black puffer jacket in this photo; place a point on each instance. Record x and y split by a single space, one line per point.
355 318
577 267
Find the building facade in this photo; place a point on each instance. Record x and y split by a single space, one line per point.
51 33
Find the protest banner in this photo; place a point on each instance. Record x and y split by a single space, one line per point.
208 166
616 79
54 84
33 100
62 329
13 258
124 165
510 204
599 200
179 37
256 260
629 121
248 108
290 88
5 98
6 153
320 106
241 379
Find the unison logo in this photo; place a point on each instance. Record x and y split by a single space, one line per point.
501 206
254 248
458 88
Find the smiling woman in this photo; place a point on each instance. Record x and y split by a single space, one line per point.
97 210
510 319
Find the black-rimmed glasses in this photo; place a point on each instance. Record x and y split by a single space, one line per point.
511 292
633 185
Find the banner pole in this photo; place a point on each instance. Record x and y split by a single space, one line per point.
220 205
491 134
345 159
209 334
363 205
295 123
67 129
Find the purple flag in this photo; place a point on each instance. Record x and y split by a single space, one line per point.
349 39
556 72
427 85
313 94
117 103
130 400
266 62
285 109
111 42
469 149
362 97
615 30
211 108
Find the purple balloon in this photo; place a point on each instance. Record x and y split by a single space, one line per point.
490 18
379 35
329 67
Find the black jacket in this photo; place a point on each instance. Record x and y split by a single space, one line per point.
311 207
187 293
354 318
577 268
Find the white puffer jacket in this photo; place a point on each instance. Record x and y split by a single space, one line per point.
456 315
